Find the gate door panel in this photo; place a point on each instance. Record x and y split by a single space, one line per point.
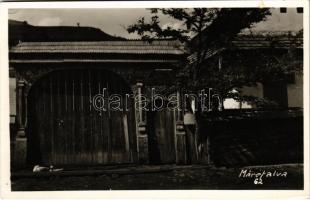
161 137
64 126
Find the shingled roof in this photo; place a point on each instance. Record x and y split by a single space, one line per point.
266 41
114 47
257 41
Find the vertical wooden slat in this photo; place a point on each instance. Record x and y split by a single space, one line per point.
82 82
87 119
65 115
39 136
126 133
37 130
82 117
43 98
77 114
68 116
55 119
73 93
42 134
52 119
59 125
47 117
132 130
110 128
63 119
95 120
65 95
91 117
100 140
73 155
70 125
89 91
105 130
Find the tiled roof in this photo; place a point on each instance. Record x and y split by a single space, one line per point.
113 47
252 42
248 42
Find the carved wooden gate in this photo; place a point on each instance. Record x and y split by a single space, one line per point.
65 128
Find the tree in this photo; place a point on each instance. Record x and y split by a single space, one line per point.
218 25
205 30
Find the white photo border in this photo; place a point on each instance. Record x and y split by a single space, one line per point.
139 194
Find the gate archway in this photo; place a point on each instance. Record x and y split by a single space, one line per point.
63 126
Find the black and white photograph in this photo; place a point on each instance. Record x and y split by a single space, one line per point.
156 98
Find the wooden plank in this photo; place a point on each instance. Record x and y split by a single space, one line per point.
66 120
110 129
96 115
181 148
39 126
60 137
91 118
126 135
52 121
100 136
83 112
164 131
105 136
77 113
170 136
73 124
132 132
47 130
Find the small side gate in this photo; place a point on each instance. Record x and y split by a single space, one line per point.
161 137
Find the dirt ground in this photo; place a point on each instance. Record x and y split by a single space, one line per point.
168 177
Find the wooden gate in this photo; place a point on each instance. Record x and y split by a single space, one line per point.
161 137
65 128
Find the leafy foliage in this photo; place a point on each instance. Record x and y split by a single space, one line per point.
205 30
206 33
217 23
192 20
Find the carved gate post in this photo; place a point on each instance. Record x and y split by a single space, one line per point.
20 144
180 135
142 137
25 78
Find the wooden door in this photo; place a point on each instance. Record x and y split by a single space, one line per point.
161 137
65 128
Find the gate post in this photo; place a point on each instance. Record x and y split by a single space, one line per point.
180 134
180 144
142 137
20 141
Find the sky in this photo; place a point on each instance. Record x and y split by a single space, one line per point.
115 21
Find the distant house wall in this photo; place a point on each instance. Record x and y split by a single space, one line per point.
230 103
256 91
294 94
253 91
295 91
